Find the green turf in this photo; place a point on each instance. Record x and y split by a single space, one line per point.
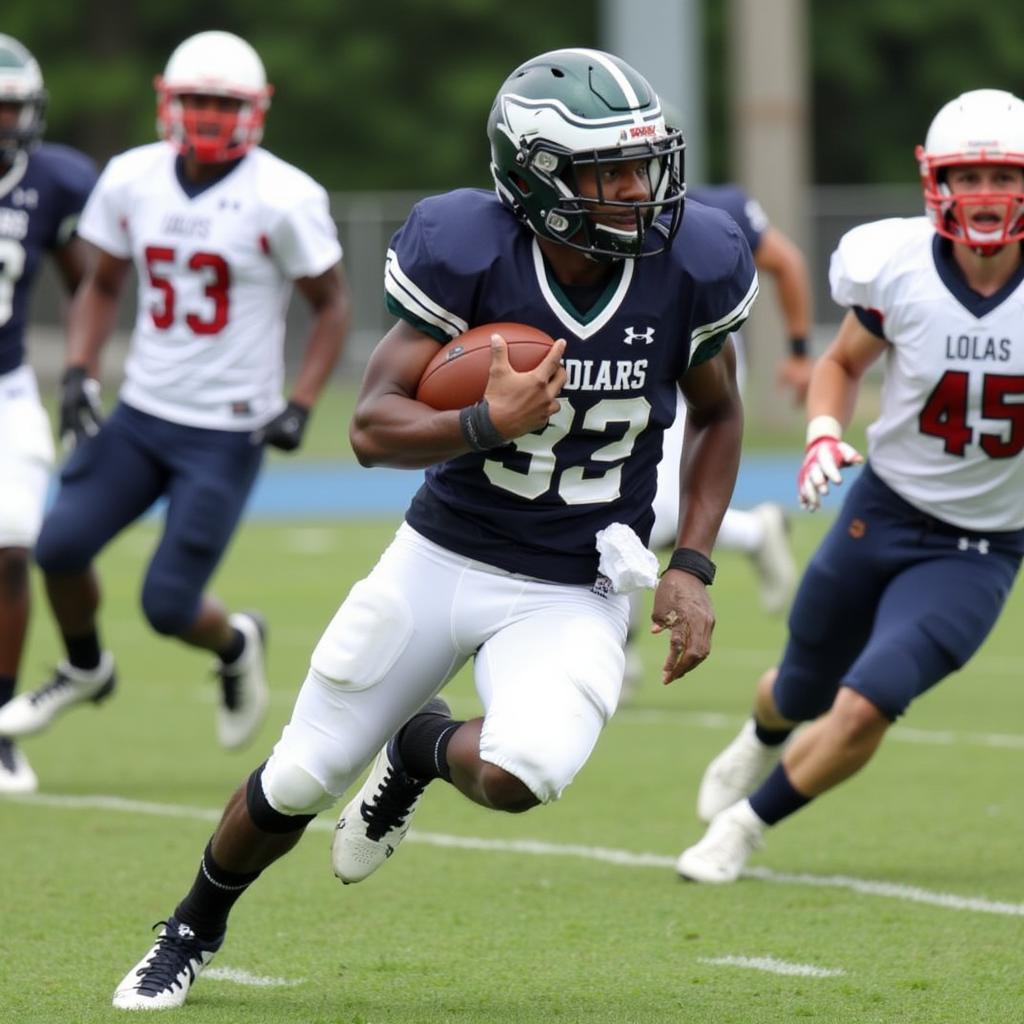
477 936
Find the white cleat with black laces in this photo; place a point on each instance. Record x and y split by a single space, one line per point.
16 775
373 824
161 980
33 711
244 694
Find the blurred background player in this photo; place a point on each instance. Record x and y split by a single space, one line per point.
43 188
915 571
497 561
761 533
219 230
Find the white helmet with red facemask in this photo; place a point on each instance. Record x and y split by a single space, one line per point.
985 126
213 64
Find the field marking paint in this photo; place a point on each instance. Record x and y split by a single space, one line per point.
243 977
773 966
537 848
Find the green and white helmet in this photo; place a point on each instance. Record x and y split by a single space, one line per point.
578 107
21 82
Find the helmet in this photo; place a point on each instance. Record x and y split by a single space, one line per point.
213 64
21 82
985 126
576 107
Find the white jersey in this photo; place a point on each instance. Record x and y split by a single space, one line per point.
950 432
215 276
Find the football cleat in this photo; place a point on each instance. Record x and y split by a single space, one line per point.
16 775
736 772
373 824
162 978
722 854
244 695
34 710
773 559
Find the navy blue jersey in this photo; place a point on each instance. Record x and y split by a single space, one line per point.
747 212
41 195
534 505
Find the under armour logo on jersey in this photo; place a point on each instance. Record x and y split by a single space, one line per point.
646 336
965 544
229 204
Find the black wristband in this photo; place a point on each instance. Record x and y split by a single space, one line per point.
798 347
477 428
692 561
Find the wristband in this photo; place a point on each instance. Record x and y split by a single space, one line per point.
798 347
478 429
692 561
824 426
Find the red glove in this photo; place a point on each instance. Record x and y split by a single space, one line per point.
825 455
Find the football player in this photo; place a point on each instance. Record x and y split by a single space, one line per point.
219 231
43 188
497 560
915 571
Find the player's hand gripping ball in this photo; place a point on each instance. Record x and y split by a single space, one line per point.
457 375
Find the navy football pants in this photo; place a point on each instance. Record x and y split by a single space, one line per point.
891 603
112 479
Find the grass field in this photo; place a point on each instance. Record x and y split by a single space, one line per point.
899 898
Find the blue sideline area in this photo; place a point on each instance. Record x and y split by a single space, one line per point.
335 490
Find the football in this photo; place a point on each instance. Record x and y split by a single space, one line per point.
457 375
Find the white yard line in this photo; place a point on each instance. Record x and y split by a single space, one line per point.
773 966
537 848
243 977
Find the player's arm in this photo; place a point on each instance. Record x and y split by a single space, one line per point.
91 320
831 398
330 300
93 312
710 462
72 261
781 258
390 428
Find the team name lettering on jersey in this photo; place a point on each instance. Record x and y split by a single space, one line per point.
605 374
13 223
186 227
977 348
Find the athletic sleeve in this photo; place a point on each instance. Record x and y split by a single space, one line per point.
104 221
724 302
417 274
303 240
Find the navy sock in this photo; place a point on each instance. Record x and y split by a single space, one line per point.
84 651
771 737
206 907
7 684
234 649
423 746
777 798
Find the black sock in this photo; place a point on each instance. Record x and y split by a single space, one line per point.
771 737
7 684
423 746
777 798
206 907
234 649
83 651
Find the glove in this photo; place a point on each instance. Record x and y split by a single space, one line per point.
80 411
285 430
823 458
